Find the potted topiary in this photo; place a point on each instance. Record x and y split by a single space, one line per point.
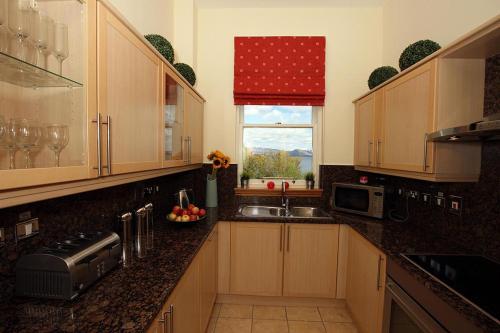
244 179
380 75
309 177
416 52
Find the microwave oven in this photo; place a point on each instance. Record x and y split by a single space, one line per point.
358 199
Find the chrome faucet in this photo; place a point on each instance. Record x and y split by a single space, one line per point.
285 203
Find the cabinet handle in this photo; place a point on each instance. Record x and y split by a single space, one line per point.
189 150
281 237
380 259
171 311
425 153
99 147
182 148
109 145
379 142
170 320
288 240
186 158
370 144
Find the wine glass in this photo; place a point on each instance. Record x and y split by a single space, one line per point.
40 36
57 139
61 51
29 136
19 24
9 141
4 32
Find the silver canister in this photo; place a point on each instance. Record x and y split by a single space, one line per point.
141 232
149 226
127 239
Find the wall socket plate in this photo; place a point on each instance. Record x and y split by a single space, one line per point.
27 229
440 200
455 204
427 199
413 194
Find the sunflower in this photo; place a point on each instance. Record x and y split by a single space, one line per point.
217 163
219 154
226 162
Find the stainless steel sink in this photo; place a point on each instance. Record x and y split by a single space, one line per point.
294 212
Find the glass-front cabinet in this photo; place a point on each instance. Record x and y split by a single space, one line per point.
44 91
174 141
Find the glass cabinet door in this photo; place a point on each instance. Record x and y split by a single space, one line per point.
173 120
43 92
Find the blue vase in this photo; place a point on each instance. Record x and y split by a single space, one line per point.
211 192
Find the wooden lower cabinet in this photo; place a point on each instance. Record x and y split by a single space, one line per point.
189 307
365 283
310 268
256 259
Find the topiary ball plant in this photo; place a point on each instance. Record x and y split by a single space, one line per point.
162 45
186 71
380 75
416 52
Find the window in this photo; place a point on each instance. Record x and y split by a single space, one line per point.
279 142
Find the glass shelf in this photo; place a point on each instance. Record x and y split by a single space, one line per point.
20 73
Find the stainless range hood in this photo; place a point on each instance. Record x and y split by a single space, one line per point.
486 130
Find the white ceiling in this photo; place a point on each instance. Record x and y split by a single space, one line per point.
287 3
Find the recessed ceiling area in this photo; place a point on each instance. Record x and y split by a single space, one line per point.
287 3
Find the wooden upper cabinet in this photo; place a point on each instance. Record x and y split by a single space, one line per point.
129 86
365 283
194 128
367 110
256 258
310 268
407 116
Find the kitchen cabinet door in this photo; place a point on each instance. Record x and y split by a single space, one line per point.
208 279
310 268
407 116
366 111
256 259
365 283
173 119
129 89
194 128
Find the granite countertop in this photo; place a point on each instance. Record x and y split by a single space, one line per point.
126 299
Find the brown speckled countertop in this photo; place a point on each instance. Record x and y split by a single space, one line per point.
128 299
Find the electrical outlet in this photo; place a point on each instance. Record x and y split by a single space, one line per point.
427 199
455 204
413 195
439 200
27 229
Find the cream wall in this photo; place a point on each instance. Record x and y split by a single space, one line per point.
354 49
406 21
149 16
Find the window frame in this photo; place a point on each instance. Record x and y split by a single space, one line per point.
317 145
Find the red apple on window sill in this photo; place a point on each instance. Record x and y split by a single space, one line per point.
270 185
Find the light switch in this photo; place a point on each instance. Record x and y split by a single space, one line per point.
27 229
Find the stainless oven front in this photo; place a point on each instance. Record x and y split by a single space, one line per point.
403 315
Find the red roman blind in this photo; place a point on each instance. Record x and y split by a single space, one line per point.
279 70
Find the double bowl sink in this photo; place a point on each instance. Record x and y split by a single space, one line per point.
292 212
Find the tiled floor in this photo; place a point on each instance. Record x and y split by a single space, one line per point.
238 318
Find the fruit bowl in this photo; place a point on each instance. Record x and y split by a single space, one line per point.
189 215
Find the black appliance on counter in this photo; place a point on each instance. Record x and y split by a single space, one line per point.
64 269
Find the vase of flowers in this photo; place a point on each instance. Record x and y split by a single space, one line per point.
309 177
219 161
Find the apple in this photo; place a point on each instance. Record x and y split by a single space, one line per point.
195 210
176 210
270 185
287 185
193 217
185 212
191 206
185 218
172 216
178 219
202 212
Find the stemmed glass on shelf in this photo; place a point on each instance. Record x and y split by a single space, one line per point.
41 23
57 139
28 139
61 51
8 140
20 15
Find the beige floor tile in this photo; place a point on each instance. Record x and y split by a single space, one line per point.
302 313
235 311
211 325
269 326
216 310
335 315
305 327
233 325
340 328
269 312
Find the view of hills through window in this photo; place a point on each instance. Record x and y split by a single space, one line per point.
277 141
